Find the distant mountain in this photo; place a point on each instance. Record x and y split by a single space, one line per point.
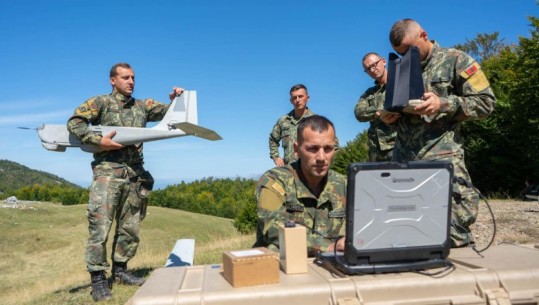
13 176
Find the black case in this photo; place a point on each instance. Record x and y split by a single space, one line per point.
404 80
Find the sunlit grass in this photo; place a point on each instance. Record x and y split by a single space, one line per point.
42 250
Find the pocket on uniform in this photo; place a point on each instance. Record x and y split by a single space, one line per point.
336 221
337 213
440 86
108 169
286 140
134 200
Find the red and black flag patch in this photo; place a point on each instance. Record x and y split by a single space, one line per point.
475 77
471 69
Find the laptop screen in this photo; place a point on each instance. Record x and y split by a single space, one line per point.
398 211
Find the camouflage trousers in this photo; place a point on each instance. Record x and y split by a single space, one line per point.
465 203
116 193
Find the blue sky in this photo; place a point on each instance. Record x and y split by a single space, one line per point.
241 57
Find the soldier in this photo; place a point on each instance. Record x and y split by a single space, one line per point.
305 191
381 136
286 126
120 183
456 91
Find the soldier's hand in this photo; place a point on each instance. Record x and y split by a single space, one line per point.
389 117
278 161
338 245
107 143
430 106
176 91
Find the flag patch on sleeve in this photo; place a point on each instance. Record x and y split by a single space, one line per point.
471 70
475 77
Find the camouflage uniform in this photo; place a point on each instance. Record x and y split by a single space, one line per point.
281 196
285 129
381 136
120 183
458 80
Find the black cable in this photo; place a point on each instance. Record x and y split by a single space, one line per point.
330 267
320 233
493 226
449 268
463 181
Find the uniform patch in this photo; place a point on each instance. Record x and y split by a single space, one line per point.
471 70
276 186
269 200
475 77
478 81
294 208
82 110
149 102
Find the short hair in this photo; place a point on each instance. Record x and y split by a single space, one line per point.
369 54
401 29
113 70
316 123
298 87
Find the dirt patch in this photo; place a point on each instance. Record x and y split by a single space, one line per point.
516 222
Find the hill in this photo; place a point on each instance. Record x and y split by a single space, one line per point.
13 176
42 257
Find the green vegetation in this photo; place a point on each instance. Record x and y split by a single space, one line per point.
354 151
501 151
229 198
14 176
53 193
42 257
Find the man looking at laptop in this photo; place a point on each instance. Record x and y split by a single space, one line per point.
306 192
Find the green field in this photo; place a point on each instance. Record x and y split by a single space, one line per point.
42 250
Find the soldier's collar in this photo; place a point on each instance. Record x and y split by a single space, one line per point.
302 189
120 97
429 56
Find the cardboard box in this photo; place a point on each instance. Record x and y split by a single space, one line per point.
257 266
293 248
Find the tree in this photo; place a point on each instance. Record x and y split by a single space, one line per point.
354 151
501 151
219 197
483 47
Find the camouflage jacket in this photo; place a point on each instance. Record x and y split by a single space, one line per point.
286 130
281 196
381 136
114 110
465 94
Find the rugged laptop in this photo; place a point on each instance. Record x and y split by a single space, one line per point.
398 217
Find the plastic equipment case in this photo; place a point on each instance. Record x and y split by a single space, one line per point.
506 274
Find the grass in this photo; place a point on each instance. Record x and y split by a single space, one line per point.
42 250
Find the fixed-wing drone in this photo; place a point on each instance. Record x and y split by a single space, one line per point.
180 120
